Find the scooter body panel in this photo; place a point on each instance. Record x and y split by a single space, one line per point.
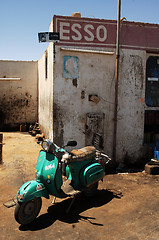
75 169
30 190
84 173
48 172
91 174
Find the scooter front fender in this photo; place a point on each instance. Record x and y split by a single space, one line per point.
31 190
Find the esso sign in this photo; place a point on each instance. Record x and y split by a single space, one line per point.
82 32
85 31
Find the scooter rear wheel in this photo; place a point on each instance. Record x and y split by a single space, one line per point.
91 190
26 212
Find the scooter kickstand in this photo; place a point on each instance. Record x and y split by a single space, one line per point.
68 209
53 201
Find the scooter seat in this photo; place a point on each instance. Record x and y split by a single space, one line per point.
83 153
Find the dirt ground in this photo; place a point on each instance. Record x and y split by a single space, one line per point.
126 206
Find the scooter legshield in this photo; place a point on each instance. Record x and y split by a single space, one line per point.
31 190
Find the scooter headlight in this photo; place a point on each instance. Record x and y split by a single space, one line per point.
46 145
20 196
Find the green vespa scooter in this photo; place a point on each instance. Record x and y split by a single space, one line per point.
82 170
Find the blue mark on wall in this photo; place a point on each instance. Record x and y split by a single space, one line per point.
71 67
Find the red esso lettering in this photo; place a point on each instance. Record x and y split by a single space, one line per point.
89 29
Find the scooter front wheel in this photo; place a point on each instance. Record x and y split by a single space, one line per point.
26 212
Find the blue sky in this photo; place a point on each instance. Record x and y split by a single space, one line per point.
21 20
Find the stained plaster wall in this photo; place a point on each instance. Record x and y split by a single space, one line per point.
45 106
96 75
64 102
130 131
18 98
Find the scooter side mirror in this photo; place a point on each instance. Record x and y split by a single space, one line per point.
71 143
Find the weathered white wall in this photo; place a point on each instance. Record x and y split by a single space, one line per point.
45 89
18 98
96 76
130 133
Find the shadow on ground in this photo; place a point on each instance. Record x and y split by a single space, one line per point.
81 204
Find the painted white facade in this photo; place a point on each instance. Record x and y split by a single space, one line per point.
71 97
97 77
130 130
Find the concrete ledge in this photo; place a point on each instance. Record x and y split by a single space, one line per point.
86 51
152 169
10 79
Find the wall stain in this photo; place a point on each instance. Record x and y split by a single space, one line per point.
58 117
14 111
74 82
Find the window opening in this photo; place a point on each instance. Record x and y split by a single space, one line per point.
152 82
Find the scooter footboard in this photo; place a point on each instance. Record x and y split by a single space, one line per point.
92 173
31 190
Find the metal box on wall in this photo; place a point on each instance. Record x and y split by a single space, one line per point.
94 132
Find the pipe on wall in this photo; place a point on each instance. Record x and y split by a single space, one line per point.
116 84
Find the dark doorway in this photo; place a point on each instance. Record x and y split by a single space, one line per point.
151 129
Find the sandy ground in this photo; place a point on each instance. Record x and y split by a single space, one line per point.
126 206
